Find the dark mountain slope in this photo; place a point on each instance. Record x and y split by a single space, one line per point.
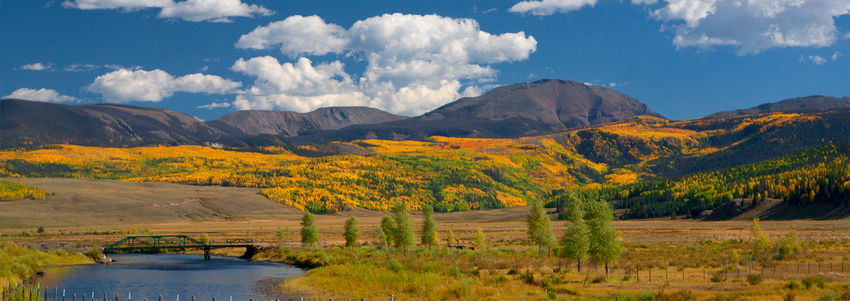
26 122
510 111
809 104
289 124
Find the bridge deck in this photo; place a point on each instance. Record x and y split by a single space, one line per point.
177 242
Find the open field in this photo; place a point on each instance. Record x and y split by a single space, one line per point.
84 205
682 254
87 202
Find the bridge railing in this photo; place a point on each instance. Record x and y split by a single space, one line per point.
172 242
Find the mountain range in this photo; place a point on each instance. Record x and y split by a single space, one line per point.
517 110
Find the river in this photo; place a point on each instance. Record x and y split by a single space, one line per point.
147 276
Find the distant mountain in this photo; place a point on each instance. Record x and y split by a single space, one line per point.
809 104
510 111
25 122
289 124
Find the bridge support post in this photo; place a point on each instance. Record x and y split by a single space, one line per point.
207 254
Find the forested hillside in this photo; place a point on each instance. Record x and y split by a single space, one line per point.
648 165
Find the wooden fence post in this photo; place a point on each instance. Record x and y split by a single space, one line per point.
650 275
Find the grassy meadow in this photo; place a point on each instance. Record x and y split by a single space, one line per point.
20 263
512 269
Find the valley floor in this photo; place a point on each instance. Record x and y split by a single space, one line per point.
95 212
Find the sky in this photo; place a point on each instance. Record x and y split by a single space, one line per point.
208 58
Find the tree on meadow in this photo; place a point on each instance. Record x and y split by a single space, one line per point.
388 230
404 237
761 242
352 232
450 239
576 241
605 245
790 244
429 227
540 227
480 240
309 231
283 234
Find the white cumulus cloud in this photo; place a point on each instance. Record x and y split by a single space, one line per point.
212 10
297 35
45 95
836 55
215 105
431 55
125 85
817 59
80 67
751 25
189 10
548 7
37 67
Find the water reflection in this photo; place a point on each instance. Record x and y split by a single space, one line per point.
149 276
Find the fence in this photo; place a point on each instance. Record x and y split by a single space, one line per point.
33 293
837 271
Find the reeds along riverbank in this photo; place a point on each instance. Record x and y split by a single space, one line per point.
20 263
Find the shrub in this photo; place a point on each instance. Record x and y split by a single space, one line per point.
552 280
717 277
527 277
725 297
794 285
676 296
563 289
790 296
829 296
395 266
754 279
597 279
461 288
94 254
816 281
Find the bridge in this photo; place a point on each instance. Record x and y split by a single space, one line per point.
178 242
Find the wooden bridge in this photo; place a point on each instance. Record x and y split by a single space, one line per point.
178 242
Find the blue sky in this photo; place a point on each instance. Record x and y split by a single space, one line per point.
207 58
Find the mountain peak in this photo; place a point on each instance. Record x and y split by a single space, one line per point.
808 104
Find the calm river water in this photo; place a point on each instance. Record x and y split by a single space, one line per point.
144 276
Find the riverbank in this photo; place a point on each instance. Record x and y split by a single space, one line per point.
19 264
